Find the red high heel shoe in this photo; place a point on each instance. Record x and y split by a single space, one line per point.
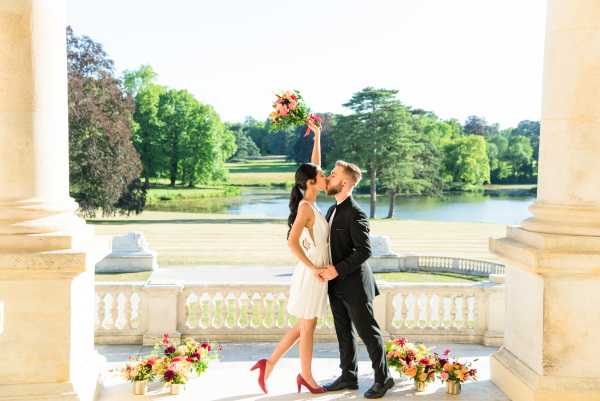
262 365
313 390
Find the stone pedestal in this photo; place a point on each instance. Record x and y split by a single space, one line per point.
161 301
47 253
553 259
130 254
383 259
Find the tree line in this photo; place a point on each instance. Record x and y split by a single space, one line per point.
125 131
406 150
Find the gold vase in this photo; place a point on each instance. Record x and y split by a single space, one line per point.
140 387
420 386
176 388
453 387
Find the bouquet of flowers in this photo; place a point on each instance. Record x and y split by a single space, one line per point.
452 370
290 111
173 370
139 369
199 355
415 361
196 355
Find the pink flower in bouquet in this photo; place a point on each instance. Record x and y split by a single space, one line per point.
206 346
165 339
444 376
401 341
290 111
169 375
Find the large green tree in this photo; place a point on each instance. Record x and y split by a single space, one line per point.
196 142
366 136
467 159
104 165
147 126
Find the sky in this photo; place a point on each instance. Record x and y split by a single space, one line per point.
453 57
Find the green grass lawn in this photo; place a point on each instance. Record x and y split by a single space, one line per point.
391 277
262 172
428 277
204 199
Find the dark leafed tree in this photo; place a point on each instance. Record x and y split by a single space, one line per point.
103 163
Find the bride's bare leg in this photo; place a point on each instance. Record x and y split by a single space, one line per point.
307 331
289 339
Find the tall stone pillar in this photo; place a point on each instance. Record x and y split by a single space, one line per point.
553 276
46 251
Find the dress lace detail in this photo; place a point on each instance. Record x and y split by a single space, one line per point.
308 295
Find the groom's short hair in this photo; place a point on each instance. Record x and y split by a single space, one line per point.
350 169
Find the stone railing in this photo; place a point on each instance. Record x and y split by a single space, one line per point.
139 313
121 313
435 264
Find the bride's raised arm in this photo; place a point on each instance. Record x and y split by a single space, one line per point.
315 158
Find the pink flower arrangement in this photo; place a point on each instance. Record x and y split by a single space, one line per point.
172 363
415 361
453 370
290 111
139 369
421 364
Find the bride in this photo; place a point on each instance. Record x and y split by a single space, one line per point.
308 240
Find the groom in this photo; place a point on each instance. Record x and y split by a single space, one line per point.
352 284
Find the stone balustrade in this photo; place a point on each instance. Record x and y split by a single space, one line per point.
434 264
126 313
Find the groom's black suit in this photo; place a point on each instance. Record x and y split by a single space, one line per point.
351 293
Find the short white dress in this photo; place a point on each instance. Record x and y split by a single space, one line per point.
308 295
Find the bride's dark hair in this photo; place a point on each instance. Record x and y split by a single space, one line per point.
305 172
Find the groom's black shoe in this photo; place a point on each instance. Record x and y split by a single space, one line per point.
378 390
342 383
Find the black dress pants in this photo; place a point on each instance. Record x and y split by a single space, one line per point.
359 314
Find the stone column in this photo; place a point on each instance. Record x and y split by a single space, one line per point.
553 259
34 162
46 252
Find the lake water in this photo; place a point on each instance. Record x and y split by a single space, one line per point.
503 208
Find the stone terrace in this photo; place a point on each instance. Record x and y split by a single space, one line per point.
230 380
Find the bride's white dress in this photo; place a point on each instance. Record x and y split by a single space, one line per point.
308 294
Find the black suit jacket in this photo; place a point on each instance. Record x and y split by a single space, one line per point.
350 249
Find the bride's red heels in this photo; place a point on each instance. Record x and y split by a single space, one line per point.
262 365
314 390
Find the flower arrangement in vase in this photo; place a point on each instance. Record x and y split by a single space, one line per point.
139 371
171 364
454 373
414 361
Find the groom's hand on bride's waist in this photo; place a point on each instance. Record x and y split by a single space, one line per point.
329 273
